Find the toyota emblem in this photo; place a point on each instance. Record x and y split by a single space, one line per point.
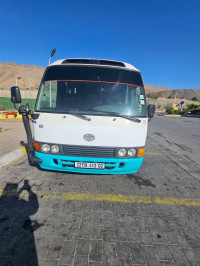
88 137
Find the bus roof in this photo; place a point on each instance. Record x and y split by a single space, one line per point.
99 62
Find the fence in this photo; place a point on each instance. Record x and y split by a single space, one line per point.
6 104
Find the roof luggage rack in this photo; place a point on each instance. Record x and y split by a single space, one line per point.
76 61
93 61
111 63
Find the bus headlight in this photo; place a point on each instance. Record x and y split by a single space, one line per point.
122 152
132 152
55 149
45 148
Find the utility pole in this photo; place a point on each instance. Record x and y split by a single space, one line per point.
29 86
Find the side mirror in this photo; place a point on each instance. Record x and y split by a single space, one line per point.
15 94
151 110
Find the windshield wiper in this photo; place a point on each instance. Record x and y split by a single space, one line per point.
133 119
70 113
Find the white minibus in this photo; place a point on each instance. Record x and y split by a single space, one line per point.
90 117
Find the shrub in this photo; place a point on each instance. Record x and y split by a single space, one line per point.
192 107
2 107
159 106
195 99
169 109
169 97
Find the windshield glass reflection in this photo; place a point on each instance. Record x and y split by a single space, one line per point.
82 96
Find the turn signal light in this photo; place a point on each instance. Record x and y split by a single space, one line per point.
141 152
36 146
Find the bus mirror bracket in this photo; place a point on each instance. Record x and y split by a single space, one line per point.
25 111
150 111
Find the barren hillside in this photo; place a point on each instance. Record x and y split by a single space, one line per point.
10 72
162 102
155 89
181 94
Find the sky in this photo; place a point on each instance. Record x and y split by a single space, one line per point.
159 37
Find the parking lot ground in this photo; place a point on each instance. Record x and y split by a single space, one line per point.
56 218
11 133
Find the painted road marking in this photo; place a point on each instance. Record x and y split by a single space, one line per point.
109 197
24 149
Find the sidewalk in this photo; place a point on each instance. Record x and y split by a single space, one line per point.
11 133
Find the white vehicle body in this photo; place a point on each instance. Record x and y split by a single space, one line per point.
109 131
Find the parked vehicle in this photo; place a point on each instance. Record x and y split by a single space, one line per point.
90 117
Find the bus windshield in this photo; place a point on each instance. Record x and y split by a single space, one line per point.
82 96
86 89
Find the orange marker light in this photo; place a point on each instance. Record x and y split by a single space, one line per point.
141 152
36 146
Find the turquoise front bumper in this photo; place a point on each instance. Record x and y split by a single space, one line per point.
66 163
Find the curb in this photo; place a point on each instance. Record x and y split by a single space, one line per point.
10 116
172 115
5 160
196 116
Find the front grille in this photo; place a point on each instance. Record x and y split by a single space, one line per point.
88 151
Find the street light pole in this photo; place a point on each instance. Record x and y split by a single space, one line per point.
17 80
175 96
52 53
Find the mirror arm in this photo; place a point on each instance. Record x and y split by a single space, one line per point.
25 112
16 107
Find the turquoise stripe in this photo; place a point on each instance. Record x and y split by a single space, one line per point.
54 162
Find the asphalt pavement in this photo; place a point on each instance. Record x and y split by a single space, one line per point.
179 137
148 218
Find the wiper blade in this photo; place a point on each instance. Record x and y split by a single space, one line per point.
75 114
67 111
133 119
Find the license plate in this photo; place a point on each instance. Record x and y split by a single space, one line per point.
90 165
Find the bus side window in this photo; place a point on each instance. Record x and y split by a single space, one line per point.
48 94
141 101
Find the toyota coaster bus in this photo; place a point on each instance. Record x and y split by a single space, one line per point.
90 117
